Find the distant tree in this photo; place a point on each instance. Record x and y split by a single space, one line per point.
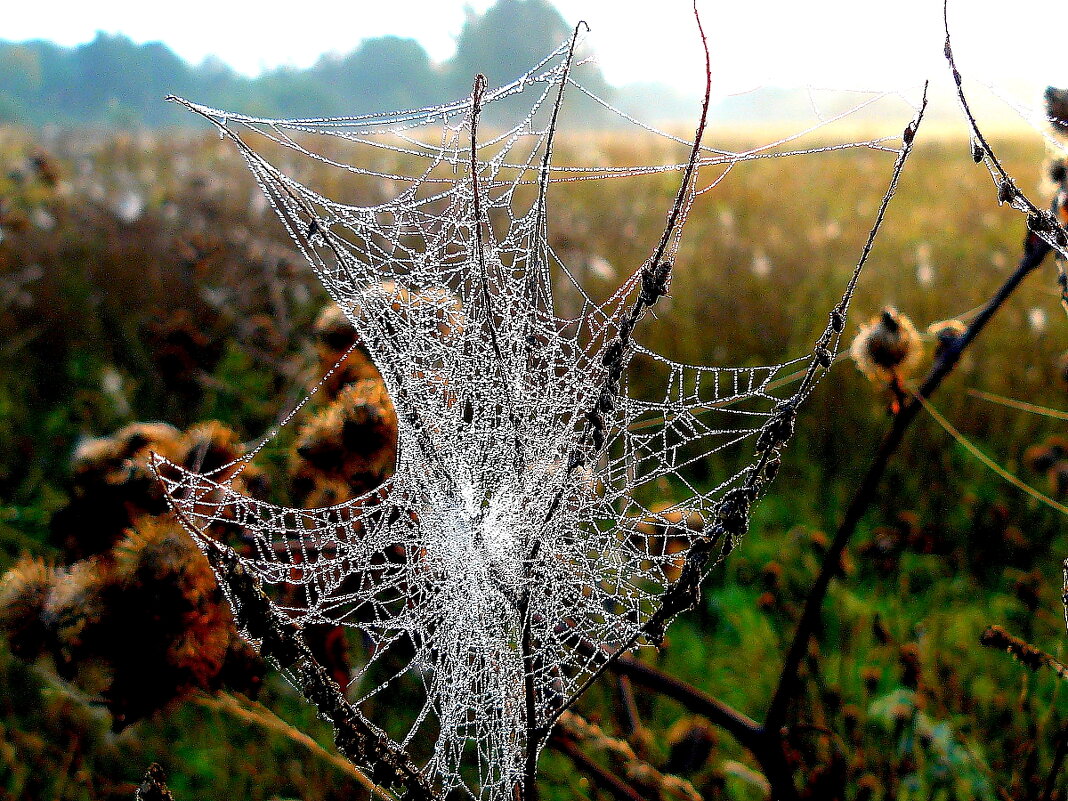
112 80
508 40
381 74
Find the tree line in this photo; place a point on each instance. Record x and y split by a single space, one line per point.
114 81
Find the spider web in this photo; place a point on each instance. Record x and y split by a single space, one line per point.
510 554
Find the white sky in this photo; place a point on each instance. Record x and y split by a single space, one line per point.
821 43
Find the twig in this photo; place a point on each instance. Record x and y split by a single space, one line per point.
1041 224
744 729
359 740
1055 767
637 770
631 719
1036 247
866 491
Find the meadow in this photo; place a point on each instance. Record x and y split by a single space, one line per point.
143 278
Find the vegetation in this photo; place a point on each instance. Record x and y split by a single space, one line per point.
142 278
113 81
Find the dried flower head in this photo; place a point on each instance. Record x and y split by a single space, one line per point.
334 335
166 592
24 591
354 440
113 486
182 351
888 348
79 613
122 458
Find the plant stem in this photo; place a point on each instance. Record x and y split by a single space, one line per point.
1034 253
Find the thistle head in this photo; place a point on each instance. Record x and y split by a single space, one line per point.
334 335
1057 109
353 440
24 592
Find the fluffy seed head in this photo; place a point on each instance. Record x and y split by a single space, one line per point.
887 348
122 458
79 612
946 333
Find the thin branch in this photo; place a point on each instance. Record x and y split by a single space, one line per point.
1034 253
1055 768
631 718
743 728
280 641
575 727
1040 223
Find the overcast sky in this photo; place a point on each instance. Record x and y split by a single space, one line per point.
820 43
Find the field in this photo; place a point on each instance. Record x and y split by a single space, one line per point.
142 278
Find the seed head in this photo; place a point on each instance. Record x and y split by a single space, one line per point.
354 440
888 348
1057 109
79 613
24 591
334 335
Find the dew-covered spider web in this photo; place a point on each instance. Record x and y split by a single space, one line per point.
515 547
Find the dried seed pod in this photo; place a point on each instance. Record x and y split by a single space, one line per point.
888 348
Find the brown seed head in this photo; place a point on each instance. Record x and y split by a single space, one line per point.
888 348
1057 109
79 612
334 335
353 440
24 591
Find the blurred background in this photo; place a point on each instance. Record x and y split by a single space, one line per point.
150 301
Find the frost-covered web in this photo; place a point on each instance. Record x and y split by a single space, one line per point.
514 548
